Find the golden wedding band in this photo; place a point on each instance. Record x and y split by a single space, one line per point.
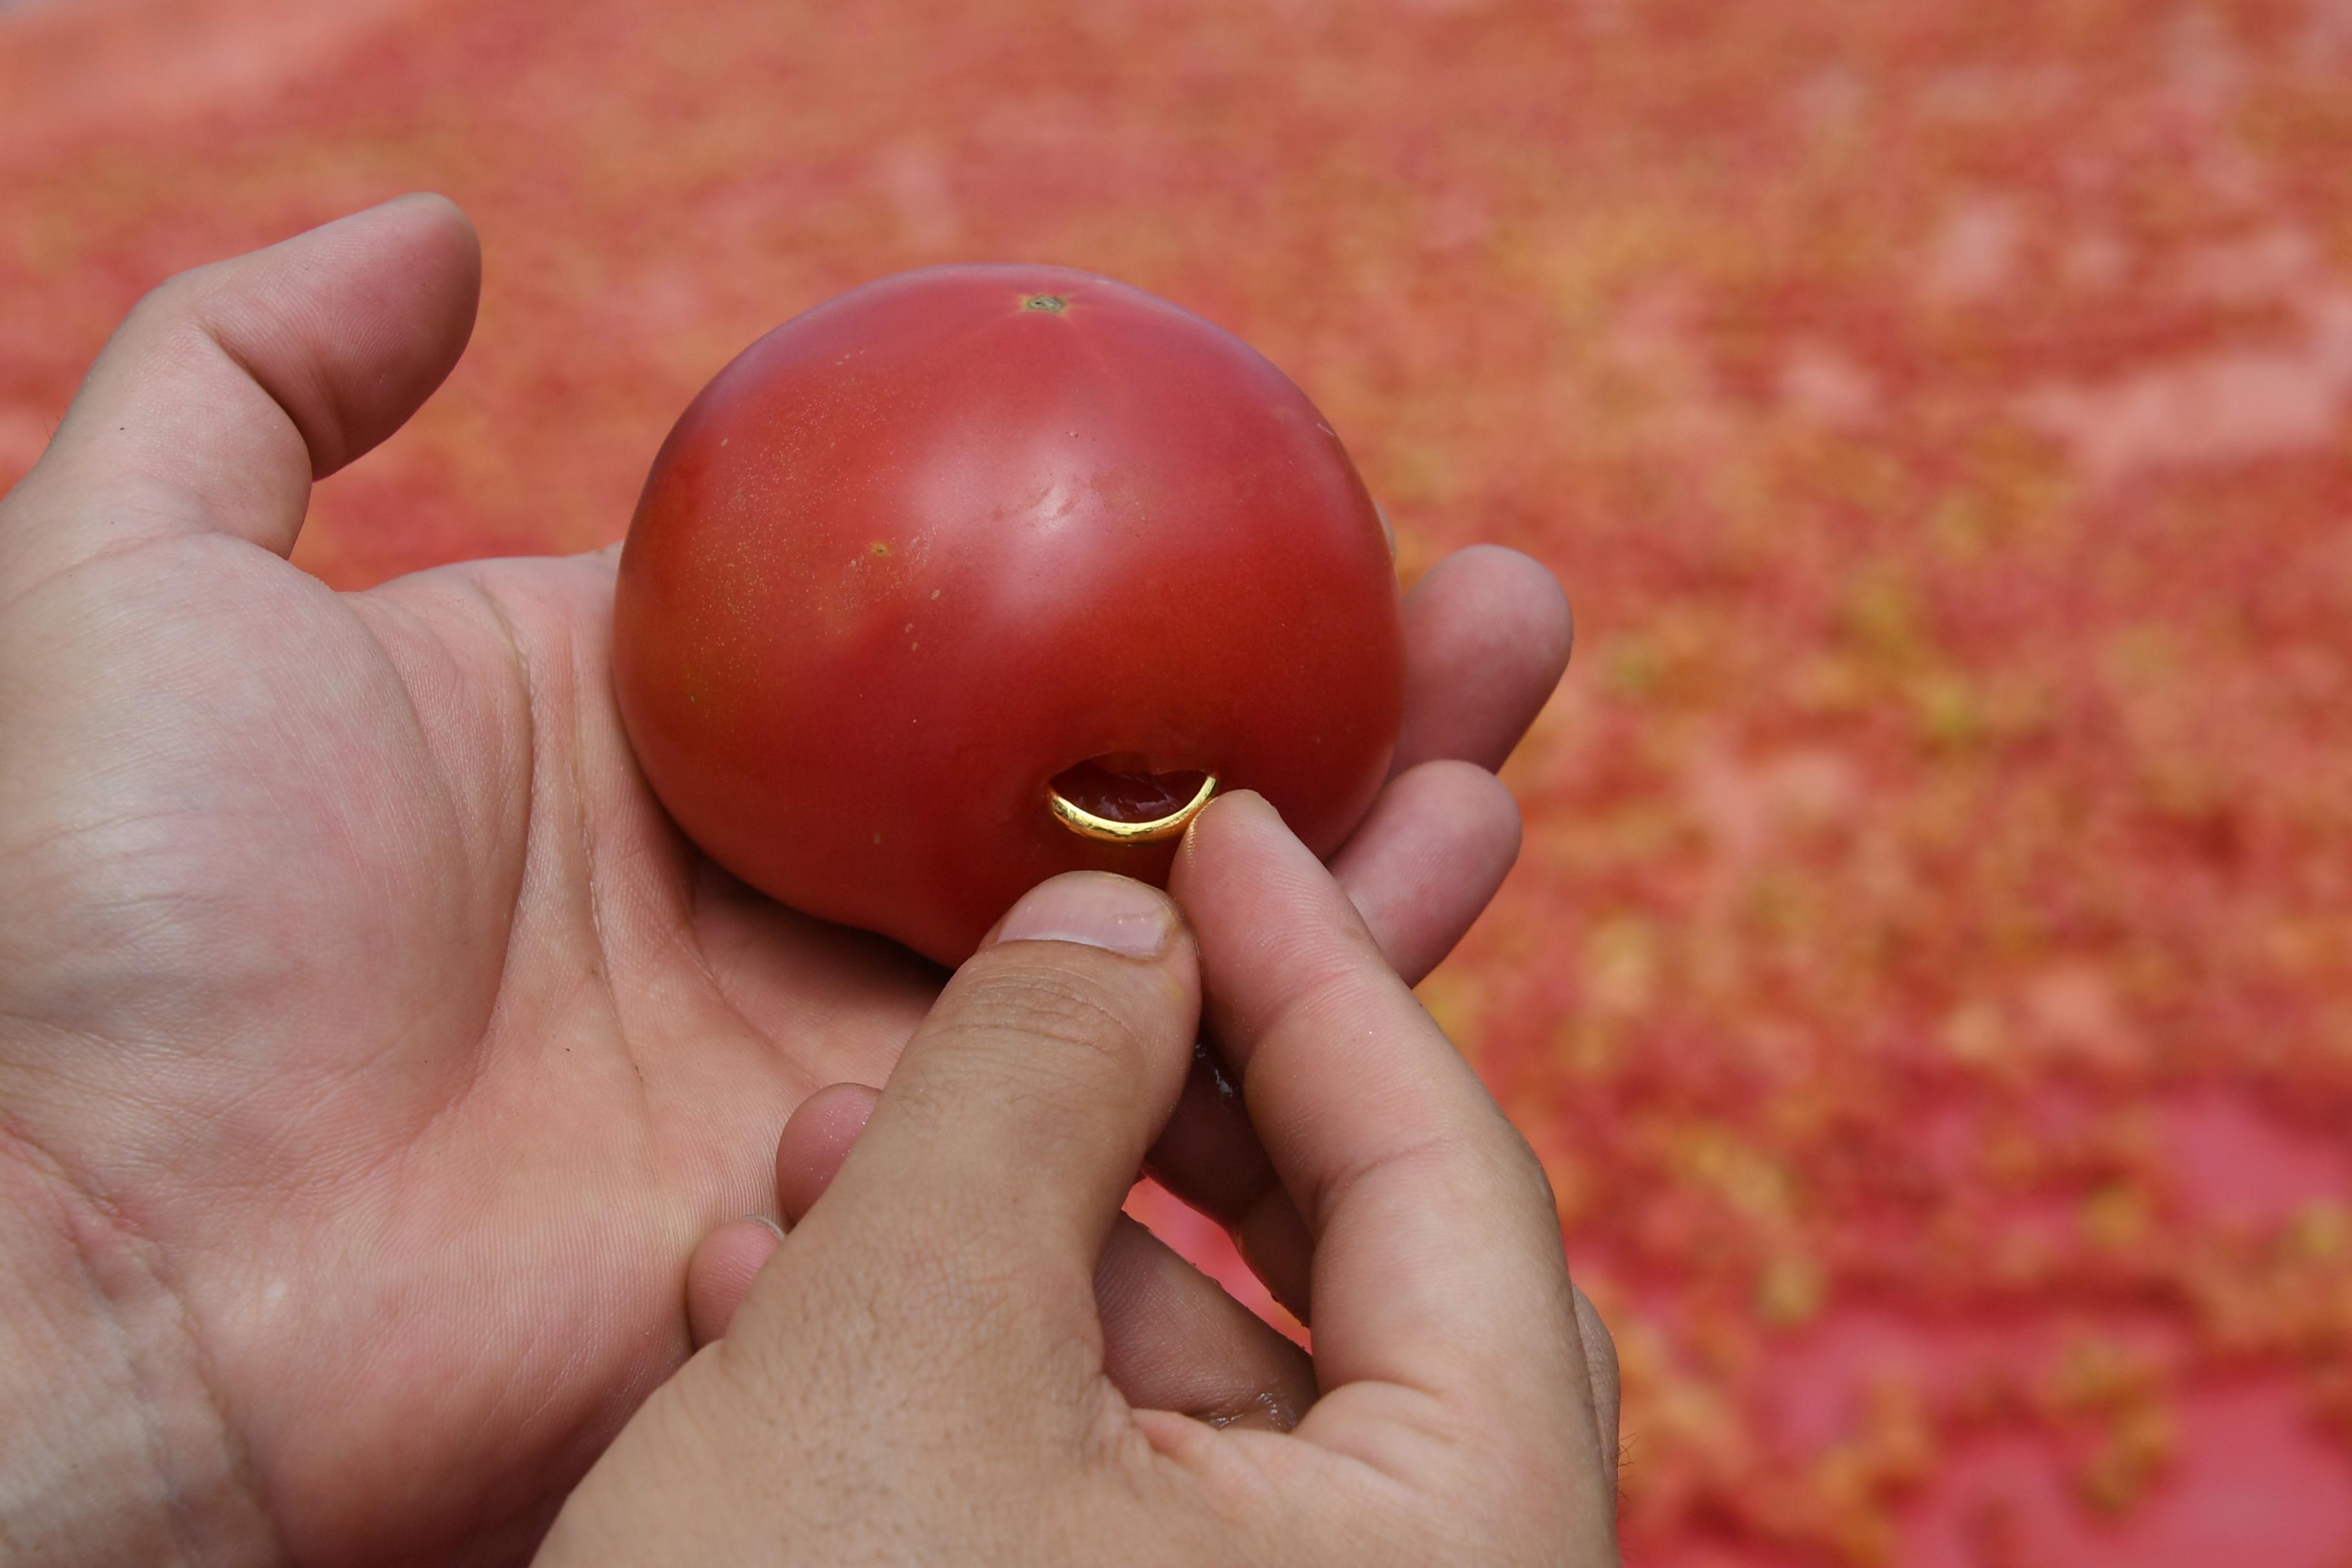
1109 830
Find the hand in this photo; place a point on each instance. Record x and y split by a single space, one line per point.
372 1052
917 1375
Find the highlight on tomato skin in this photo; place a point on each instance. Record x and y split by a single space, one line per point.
966 539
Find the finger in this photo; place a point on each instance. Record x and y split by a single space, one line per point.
1436 847
1209 1156
719 1274
1017 1116
1437 1258
1173 1339
230 388
817 1139
1429 858
1487 633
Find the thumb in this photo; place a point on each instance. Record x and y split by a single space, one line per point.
229 388
995 1162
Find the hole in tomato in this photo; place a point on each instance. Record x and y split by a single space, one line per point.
1116 793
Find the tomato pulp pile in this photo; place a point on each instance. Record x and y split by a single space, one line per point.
1926 975
979 574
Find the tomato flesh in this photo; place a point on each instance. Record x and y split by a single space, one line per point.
967 535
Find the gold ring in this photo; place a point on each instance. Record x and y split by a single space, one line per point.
1109 830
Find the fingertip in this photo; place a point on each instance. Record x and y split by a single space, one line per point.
442 212
1240 863
1482 806
1514 584
1262 906
1489 632
1233 819
1435 849
447 231
415 287
1549 619
721 1273
816 1140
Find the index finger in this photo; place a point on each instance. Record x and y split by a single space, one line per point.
1437 1254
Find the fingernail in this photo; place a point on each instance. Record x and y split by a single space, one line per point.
1095 908
762 1220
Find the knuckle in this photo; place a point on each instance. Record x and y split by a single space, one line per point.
1521 1169
1599 1344
172 325
1510 1167
166 301
175 303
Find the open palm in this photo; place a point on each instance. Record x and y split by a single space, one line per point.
358 1003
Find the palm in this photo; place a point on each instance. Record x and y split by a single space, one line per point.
425 978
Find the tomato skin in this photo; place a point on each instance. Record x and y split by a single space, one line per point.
922 548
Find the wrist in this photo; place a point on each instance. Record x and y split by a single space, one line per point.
112 1449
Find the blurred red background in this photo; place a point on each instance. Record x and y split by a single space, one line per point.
1929 974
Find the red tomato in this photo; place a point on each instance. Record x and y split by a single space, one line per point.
966 538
